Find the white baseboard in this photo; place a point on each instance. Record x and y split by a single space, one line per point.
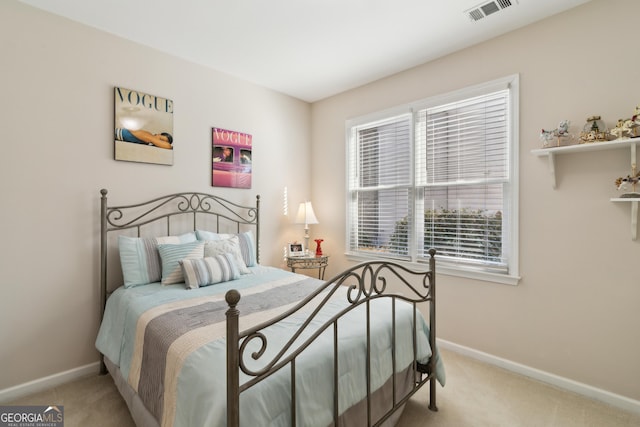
586 390
622 402
41 384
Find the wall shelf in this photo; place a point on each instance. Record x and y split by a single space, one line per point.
630 143
634 214
552 152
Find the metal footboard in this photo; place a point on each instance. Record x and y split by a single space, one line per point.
365 283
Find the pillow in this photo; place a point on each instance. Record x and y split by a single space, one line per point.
171 255
246 241
140 259
248 248
217 247
210 235
208 271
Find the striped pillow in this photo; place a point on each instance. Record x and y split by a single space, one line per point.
171 255
210 270
140 260
248 248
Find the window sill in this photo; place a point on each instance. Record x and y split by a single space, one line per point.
446 270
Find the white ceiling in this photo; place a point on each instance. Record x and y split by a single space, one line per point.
309 49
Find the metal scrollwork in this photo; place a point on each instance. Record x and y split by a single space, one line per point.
131 216
363 282
372 278
184 203
203 204
378 279
359 287
255 355
114 215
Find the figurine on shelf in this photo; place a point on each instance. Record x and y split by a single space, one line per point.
633 179
622 129
594 130
562 131
318 248
628 128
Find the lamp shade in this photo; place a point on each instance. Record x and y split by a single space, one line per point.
305 214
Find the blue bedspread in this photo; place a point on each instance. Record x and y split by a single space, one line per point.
169 344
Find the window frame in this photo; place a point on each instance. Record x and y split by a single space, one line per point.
511 225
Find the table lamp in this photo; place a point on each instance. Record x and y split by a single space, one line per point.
306 216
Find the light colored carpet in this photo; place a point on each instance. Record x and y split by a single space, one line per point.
476 395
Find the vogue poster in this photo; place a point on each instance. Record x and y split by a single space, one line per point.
231 158
143 127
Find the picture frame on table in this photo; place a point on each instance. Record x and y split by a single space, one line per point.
296 249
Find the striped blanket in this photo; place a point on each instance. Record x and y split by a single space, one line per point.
169 344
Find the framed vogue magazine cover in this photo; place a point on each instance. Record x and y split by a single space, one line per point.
143 130
231 158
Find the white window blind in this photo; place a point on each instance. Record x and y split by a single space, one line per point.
465 158
439 176
381 185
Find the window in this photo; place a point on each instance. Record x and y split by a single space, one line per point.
439 173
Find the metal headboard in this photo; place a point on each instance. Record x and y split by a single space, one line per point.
166 211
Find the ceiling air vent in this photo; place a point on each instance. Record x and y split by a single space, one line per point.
486 9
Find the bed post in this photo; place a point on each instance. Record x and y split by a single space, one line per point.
258 229
103 264
432 330
233 360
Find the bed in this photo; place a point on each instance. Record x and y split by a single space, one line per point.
196 332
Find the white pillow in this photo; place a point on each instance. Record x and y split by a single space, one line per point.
232 245
246 240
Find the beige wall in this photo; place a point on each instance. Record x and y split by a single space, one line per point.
575 312
57 125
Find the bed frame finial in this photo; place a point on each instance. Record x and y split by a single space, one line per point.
232 297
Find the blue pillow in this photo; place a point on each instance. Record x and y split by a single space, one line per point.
171 255
210 235
210 270
140 259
